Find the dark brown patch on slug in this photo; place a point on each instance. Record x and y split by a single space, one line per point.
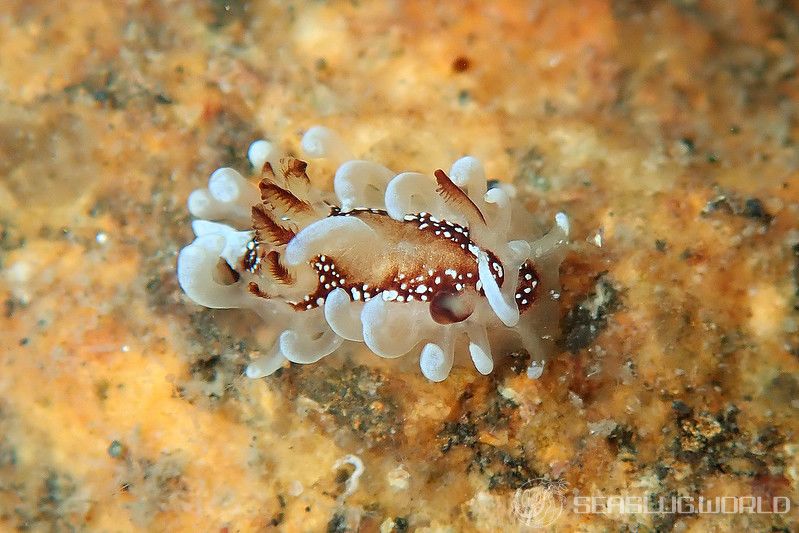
527 291
224 274
277 269
267 229
278 198
256 290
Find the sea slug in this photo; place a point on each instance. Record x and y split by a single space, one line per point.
391 260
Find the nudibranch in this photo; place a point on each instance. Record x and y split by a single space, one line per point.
391 260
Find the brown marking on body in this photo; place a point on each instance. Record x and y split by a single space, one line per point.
278 198
527 290
295 174
455 196
256 290
267 172
278 271
267 229
224 274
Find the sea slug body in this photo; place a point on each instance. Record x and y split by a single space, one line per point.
392 260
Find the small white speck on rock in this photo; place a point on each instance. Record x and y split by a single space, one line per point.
398 478
602 428
598 237
535 370
296 488
575 400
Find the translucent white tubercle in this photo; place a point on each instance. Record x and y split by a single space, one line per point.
411 192
235 241
202 204
330 236
227 185
555 241
321 142
206 227
500 222
361 184
530 332
262 151
437 358
468 174
520 252
308 346
391 329
344 315
197 263
479 348
503 305
266 365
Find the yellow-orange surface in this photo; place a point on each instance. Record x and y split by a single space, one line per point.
666 130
